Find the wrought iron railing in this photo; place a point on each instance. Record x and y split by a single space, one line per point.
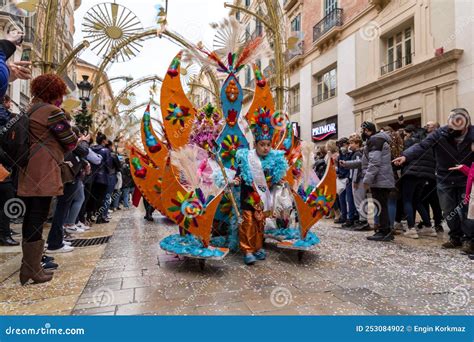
323 97
397 64
332 19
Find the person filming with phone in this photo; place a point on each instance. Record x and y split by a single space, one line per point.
9 72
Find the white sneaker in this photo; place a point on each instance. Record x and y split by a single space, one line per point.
74 230
411 233
399 226
83 226
67 243
64 249
427 231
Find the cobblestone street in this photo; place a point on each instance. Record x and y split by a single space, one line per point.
346 275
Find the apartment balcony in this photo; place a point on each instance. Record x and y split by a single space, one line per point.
395 65
323 97
294 56
328 28
10 19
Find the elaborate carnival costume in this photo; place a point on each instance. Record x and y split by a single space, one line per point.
177 172
258 175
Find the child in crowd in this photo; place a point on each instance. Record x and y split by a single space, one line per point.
358 190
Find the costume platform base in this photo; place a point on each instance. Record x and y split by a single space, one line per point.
290 239
189 246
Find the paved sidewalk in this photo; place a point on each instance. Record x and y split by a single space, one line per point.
347 275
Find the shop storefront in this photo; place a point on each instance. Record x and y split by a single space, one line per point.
324 130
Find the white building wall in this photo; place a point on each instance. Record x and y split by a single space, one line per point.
305 102
346 81
464 32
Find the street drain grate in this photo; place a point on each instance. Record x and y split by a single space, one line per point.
90 242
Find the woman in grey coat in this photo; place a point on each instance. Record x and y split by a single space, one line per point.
378 176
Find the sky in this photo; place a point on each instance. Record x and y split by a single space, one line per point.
189 18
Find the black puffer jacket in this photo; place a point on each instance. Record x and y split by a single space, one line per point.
447 153
422 167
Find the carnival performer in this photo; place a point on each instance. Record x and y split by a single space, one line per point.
258 171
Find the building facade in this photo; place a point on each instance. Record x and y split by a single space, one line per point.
33 28
376 60
102 118
253 28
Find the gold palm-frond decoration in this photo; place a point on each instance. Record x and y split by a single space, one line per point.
108 24
127 101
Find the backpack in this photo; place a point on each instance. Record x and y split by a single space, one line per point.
15 139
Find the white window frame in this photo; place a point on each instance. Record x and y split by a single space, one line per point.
326 85
396 55
297 18
329 6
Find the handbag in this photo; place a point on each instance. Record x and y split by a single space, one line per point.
282 200
67 174
341 185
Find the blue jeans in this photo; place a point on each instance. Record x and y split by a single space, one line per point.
76 205
112 181
346 203
350 202
116 196
126 196
392 210
343 205
56 234
451 199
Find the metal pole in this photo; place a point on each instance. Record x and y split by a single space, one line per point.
273 25
49 36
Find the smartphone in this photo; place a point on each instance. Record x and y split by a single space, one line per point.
26 55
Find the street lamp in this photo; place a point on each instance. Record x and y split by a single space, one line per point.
85 87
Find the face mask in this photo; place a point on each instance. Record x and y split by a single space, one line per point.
343 149
365 136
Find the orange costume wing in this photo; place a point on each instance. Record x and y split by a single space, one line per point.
178 112
319 202
146 177
186 208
